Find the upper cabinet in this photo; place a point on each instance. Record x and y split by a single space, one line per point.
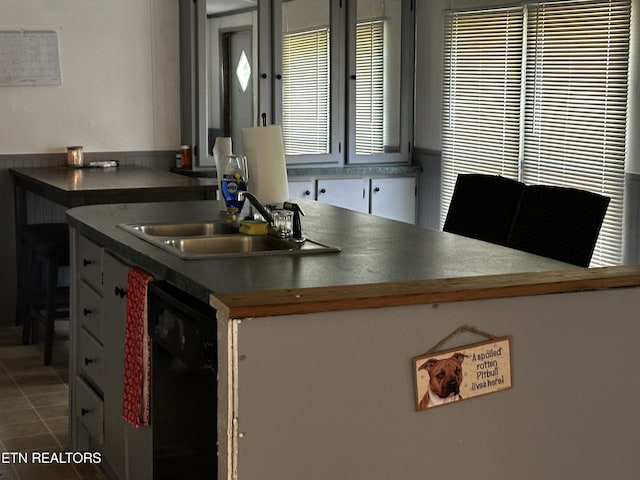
380 80
337 75
308 65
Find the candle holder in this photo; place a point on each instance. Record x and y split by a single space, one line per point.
75 156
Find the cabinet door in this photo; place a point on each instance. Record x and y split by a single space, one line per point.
302 189
351 193
394 197
114 318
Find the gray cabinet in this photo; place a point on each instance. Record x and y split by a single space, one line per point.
115 311
87 360
99 283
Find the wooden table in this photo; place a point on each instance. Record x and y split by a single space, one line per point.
73 187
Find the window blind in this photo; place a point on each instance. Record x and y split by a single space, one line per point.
369 87
305 92
564 84
576 100
482 91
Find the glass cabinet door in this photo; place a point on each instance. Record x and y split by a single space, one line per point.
380 81
307 81
346 81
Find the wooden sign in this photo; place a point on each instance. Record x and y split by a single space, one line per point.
445 377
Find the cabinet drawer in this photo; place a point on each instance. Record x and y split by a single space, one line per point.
91 358
89 410
90 310
89 262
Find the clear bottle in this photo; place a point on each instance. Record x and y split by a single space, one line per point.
234 179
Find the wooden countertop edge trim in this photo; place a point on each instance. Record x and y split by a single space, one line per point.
322 299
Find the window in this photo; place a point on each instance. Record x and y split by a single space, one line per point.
305 92
482 91
369 88
539 93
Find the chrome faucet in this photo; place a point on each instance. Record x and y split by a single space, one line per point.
264 211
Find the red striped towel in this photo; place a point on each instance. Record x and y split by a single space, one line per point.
137 351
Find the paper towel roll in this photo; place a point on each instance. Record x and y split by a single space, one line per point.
221 148
264 149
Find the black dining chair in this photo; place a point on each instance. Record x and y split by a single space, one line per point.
483 207
40 297
558 222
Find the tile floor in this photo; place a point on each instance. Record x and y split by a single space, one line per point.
34 408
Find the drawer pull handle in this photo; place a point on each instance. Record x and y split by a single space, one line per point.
88 361
86 262
120 292
84 411
86 312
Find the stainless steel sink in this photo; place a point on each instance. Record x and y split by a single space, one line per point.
218 239
183 229
241 245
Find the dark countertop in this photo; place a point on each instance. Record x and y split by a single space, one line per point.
71 187
302 172
374 251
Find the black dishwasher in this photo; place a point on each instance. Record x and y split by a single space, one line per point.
183 384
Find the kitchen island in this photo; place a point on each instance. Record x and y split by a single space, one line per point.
315 352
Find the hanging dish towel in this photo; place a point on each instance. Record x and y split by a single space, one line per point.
137 351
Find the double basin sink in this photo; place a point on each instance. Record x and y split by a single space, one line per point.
219 238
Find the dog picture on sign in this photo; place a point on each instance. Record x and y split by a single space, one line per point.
449 376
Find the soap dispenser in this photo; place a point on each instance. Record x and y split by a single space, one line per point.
297 224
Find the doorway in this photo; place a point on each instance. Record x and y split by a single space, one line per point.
237 84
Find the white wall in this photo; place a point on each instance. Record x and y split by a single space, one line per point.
340 393
120 78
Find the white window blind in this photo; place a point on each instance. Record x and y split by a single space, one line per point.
482 92
572 128
369 87
576 100
305 92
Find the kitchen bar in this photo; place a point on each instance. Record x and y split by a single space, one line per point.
314 352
